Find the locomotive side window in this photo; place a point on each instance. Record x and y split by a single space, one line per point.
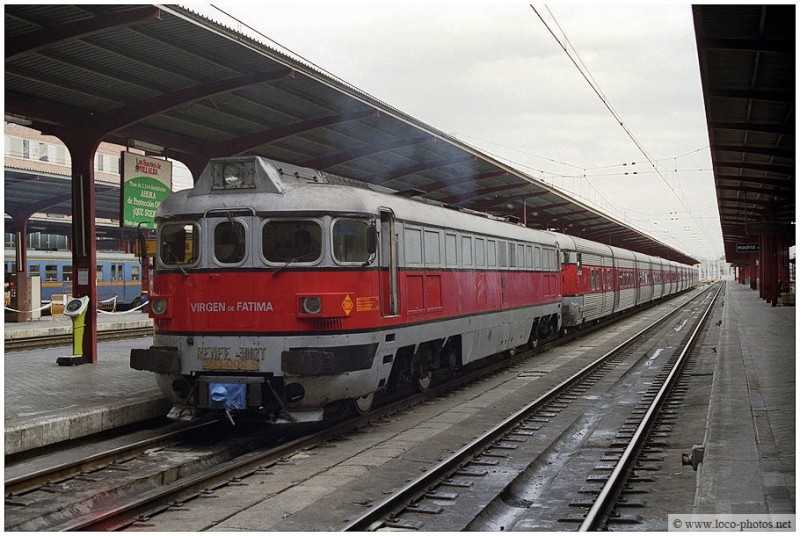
291 240
466 250
480 252
178 244
491 248
229 242
502 254
413 246
350 240
451 255
432 254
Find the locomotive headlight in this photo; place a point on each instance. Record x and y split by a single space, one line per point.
233 175
158 306
311 305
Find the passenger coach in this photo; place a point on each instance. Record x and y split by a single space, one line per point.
599 280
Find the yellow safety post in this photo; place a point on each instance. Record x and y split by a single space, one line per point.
76 309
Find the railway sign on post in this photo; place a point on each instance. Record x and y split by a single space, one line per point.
747 248
146 182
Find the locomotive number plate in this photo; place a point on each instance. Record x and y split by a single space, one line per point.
236 363
224 358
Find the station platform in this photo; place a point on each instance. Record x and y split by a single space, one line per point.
46 403
749 456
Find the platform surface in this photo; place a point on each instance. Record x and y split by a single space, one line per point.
749 464
46 403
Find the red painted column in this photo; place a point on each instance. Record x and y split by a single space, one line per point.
82 147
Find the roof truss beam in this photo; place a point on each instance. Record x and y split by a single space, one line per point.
769 128
50 36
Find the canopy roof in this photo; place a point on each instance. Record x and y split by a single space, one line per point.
179 81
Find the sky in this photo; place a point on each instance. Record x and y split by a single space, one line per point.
633 143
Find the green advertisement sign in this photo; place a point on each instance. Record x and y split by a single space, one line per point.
146 183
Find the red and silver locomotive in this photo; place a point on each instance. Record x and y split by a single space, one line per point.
281 290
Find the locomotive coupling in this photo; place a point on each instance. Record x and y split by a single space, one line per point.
695 458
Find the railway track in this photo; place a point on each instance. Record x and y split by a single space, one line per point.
65 339
419 497
256 460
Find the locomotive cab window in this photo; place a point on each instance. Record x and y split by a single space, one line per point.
291 240
178 244
350 240
229 242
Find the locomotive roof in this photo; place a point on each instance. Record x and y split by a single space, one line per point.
286 188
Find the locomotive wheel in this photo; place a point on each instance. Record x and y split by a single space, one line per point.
422 383
421 374
363 405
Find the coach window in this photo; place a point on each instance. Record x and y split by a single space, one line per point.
521 255
291 240
178 244
51 272
67 271
33 270
229 242
350 240
134 272
491 253
99 276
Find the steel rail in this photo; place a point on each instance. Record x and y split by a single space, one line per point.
601 505
48 341
18 485
371 519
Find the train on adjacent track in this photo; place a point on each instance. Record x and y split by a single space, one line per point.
280 291
118 275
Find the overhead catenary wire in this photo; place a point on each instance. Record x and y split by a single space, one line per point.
574 57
